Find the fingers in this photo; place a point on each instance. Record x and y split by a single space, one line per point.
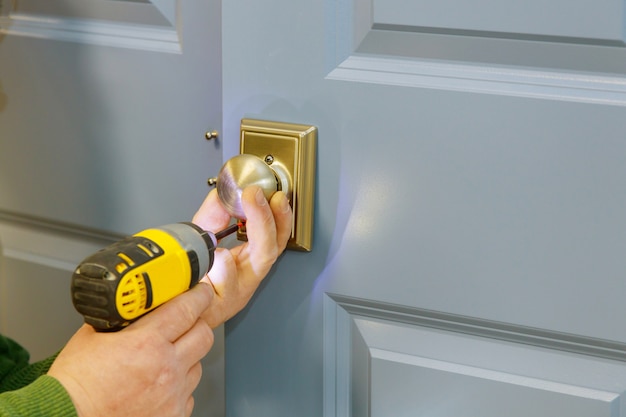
195 344
211 215
192 381
189 409
237 272
283 218
193 378
179 315
268 226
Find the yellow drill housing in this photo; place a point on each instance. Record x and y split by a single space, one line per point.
122 282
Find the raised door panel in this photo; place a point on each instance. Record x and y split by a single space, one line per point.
105 106
388 359
575 20
492 189
143 25
495 49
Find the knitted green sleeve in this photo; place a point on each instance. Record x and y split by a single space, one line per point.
45 397
15 369
25 389
12 357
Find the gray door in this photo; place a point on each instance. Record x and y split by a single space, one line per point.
103 110
468 257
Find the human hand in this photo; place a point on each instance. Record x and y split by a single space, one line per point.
237 272
148 369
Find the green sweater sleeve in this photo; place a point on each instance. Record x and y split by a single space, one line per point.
26 390
45 397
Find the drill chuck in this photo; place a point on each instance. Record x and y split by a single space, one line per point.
120 283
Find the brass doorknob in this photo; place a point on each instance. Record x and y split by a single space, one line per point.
240 172
276 156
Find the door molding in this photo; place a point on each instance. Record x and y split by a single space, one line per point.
542 338
559 60
49 243
373 350
585 88
150 26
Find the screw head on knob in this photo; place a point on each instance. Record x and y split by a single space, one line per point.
240 172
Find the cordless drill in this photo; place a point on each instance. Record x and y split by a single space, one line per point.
120 283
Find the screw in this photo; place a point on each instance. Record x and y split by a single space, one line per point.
269 159
212 134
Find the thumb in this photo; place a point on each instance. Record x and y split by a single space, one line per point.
177 316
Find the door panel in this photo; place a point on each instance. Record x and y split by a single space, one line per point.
557 18
145 25
470 199
103 110
108 101
405 361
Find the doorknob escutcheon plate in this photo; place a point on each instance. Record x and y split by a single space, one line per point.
290 150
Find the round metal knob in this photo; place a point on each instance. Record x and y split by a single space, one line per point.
240 172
